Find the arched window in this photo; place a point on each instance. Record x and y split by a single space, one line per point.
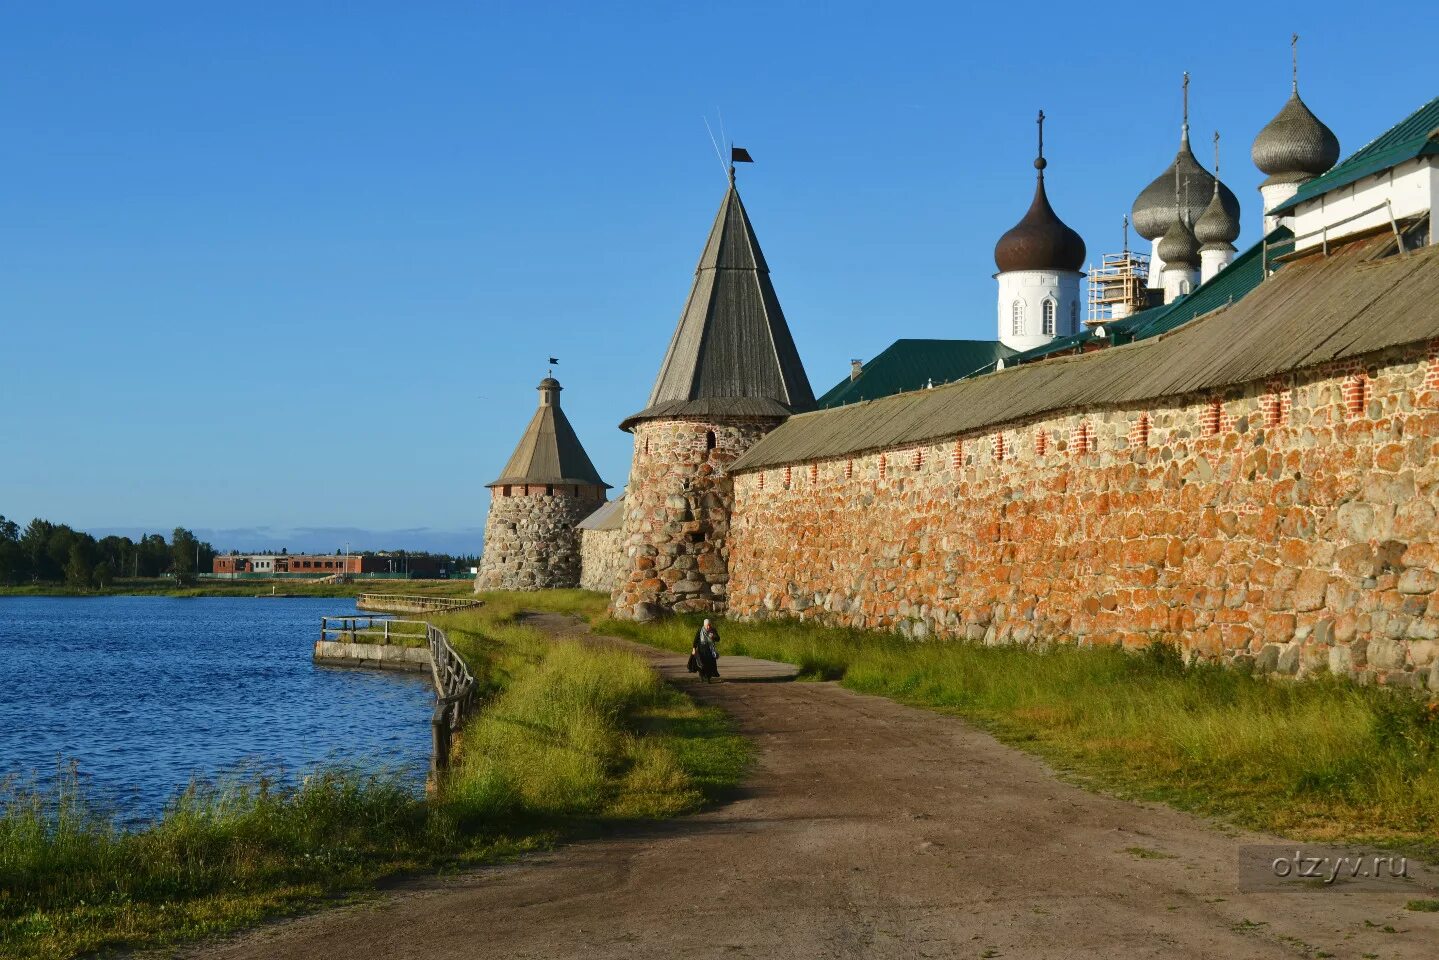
1016 318
1049 312
1183 287
1074 316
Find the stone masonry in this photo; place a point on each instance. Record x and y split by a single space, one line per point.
603 561
677 515
530 538
1287 524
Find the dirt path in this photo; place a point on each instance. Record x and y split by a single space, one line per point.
869 830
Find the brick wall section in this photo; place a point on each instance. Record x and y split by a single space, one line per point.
677 515
530 539
1311 543
603 561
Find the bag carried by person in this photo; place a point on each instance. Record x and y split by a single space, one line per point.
693 665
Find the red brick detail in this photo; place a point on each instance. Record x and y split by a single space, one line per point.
999 450
1041 442
1429 392
1081 440
1211 417
883 466
1139 433
788 477
917 458
1356 394
849 468
1273 407
813 472
761 479
956 459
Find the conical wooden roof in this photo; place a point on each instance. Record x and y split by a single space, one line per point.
732 353
549 451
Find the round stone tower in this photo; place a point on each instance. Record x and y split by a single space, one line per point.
731 375
546 489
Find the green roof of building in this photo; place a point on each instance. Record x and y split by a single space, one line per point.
1414 136
913 365
1230 285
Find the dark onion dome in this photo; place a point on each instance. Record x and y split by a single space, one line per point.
1215 228
1295 145
1153 212
1178 248
1040 241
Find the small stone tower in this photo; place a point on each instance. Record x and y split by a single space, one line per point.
546 489
731 375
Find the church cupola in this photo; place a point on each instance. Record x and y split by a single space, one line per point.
1154 209
1039 261
1179 249
1215 230
1292 148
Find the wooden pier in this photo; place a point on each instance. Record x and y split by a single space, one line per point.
399 603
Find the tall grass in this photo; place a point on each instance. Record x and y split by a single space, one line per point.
568 736
1321 759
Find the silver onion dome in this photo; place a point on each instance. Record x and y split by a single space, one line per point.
1295 145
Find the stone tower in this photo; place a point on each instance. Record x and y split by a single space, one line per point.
731 375
546 489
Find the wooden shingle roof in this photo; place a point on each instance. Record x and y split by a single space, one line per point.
549 451
732 353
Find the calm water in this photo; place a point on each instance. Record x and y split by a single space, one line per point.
147 693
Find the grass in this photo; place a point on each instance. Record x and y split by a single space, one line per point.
1321 760
570 737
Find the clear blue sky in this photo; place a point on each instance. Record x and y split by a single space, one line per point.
298 265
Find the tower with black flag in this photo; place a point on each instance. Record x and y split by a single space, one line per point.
731 375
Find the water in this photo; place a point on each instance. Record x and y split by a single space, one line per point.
147 693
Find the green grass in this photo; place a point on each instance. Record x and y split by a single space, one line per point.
1322 759
569 737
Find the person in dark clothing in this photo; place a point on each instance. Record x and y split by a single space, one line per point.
705 653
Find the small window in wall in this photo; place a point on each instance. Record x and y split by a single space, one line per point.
1183 287
1074 316
549 489
710 440
1050 309
1016 318
505 490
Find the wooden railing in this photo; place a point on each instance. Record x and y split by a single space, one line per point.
454 697
372 629
400 603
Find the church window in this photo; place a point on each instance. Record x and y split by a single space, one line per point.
1049 312
1016 318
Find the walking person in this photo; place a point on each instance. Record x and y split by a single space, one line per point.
705 653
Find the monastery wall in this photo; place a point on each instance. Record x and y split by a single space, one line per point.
1290 523
603 561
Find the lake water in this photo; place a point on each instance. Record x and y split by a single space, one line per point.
147 693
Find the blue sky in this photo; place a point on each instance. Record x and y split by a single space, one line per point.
270 268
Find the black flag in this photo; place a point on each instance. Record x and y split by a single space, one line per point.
739 155
554 360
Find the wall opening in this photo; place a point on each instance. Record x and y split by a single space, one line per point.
918 459
1141 431
788 476
1041 443
883 466
849 468
1356 394
1210 419
813 472
957 457
999 448
710 440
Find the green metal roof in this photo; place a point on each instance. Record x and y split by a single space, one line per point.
1230 285
912 365
1414 136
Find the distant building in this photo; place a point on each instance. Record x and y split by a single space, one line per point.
380 565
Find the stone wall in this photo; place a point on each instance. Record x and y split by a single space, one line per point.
1291 523
603 561
531 542
677 510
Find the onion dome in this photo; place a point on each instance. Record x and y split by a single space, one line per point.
1040 241
1215 228
1178 247
1295 145
1154 210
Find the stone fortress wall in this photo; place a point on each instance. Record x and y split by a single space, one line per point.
677 516
530 538
1289 524
603 562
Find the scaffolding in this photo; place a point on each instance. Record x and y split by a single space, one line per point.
1118 286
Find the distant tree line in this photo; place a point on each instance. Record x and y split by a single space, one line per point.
56 552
